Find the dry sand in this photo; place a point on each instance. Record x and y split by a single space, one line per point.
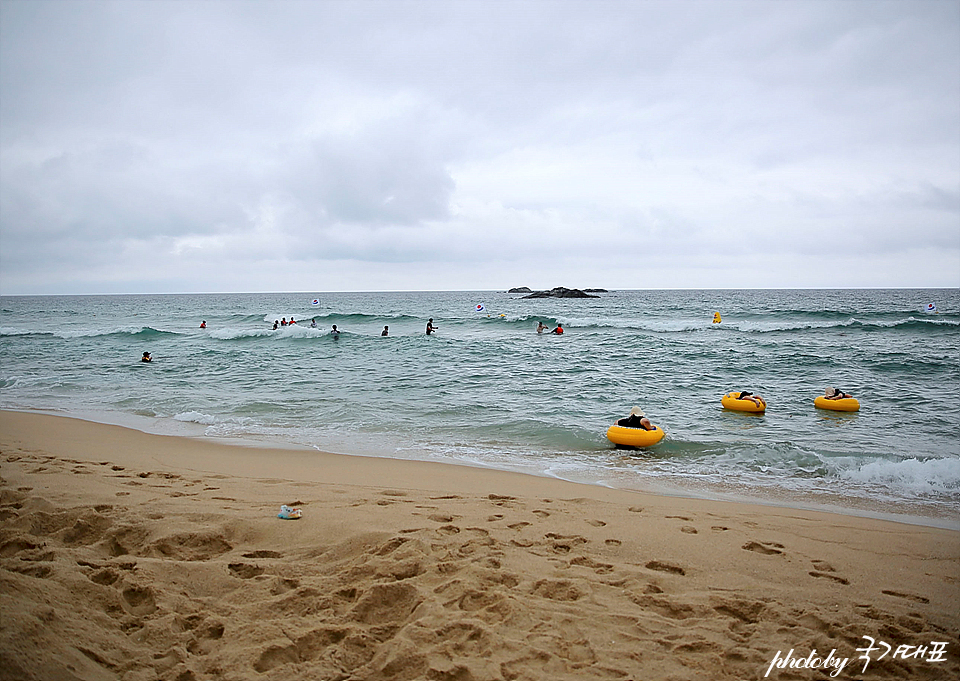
139 557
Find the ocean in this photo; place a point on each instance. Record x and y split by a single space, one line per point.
487 390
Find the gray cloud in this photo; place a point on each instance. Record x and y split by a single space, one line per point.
215 145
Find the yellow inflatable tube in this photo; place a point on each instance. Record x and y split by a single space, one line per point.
634 437
846 404
732 401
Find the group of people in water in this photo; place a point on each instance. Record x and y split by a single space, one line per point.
541 327
335 332
638 419
430 330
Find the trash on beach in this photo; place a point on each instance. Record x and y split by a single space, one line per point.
288 513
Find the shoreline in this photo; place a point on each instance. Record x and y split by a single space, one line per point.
191 430
126 555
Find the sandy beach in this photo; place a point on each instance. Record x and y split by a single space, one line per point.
132 556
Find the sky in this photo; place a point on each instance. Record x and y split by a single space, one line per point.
359 145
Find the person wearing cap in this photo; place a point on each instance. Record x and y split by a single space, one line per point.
146 357
637 419
836 394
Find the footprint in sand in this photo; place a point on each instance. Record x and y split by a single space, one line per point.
836 578
596 523
909 597
767 548
660 566
442 518
635 509
541 514
244 570
688 529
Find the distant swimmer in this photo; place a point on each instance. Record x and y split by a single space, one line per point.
386 331
203 324
637 419
146 357
558 330
292 321
541 327
836 394
276 323
430 327
313 323
716 317
335 332
283 322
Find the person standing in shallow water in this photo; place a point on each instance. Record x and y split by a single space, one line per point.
430 327
386 331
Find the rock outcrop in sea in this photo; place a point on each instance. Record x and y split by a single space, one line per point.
560 292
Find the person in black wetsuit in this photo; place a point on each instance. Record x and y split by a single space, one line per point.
637 419
756 399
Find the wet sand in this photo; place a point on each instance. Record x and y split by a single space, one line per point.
125 555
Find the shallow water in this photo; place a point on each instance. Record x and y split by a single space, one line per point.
487 390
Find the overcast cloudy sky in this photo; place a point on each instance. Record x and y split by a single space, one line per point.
335 146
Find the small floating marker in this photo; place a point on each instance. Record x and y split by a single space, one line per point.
316 301
480 307
931 307
716 317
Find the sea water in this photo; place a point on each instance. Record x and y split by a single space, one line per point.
487 390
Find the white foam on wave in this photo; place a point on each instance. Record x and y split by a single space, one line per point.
914 476
14 382
295 331
233 334
131 330
196 417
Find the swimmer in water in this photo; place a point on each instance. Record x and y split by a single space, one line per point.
637 419
541 327
836 394
146 357
756 399
430 327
